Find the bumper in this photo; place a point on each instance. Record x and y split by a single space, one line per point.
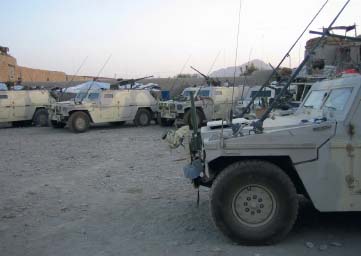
58 117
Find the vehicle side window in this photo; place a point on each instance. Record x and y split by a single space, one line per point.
3 97
93 96
218 93
108 96
204 93
338 98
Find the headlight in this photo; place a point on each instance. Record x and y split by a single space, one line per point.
179 107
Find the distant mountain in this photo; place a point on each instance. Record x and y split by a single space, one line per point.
229 71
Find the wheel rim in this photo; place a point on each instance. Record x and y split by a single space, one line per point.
143 119
254 205
80 123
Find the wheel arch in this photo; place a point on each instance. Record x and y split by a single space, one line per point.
284 162
38 108
147 108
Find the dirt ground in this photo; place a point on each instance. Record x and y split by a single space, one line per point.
121 191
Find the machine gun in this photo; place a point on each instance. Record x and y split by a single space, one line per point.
210 81
121 82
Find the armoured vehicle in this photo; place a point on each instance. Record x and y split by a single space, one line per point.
104 106
25 107
167 112
256 175
212 103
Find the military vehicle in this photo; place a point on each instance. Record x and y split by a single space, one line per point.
25 107
257 169
167 112
212 103
255 176
104 106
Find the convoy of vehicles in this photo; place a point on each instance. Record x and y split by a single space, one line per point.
25 107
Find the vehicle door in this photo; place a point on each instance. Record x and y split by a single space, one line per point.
222 103
93 103
346 145
353 148
20 105
5 106
206 101
107 107
126 102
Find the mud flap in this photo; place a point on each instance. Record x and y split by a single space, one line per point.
193 170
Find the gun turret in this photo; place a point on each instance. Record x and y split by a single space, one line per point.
209 80
127 81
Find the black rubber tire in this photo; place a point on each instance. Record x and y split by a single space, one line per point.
41 118
254 172
56 124
188 118
74 118
142 113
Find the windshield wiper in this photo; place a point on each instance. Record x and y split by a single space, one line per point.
308 106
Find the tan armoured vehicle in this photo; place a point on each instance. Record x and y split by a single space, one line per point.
104 106
256 172
25 107
212 103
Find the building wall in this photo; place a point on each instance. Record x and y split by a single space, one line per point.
38 75
11 72
8 68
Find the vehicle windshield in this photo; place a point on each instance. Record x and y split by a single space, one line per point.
187 93
338 98
315 99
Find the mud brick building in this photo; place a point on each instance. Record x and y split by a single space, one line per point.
11 72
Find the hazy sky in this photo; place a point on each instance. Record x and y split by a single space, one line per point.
156 37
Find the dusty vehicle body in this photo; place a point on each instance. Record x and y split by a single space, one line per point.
211 102
255 176
104 106
25 106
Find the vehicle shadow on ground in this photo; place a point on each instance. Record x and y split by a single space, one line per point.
311 221
106 126
310 225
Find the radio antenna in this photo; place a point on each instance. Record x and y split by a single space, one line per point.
280 63
72 79
235 62
105 63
